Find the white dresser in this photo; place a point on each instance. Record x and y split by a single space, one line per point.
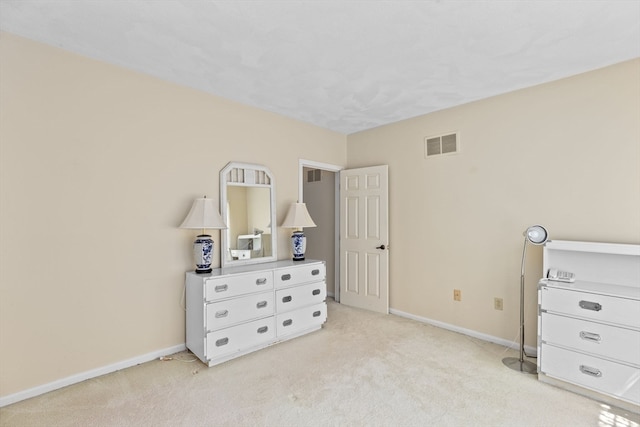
238 310
589 330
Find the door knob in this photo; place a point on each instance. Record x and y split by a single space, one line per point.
383 247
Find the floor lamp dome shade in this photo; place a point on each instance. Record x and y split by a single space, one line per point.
537 235
203 215
298 217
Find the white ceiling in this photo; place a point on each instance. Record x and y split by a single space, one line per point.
343 65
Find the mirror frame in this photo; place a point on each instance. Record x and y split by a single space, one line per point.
235 173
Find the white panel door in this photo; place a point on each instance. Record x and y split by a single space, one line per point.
364 235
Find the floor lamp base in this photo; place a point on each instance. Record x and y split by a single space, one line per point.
524 366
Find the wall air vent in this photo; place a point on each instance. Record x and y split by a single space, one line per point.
441 144
314 175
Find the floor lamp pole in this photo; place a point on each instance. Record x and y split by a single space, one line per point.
519 364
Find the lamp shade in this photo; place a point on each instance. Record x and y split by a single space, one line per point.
298 217
203 214
536 234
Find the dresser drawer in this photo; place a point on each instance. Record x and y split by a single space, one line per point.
591 306
240 338
293 298
228 312
301 319
217 288
599 375
591 337
295 275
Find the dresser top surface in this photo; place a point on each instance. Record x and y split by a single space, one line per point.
288 263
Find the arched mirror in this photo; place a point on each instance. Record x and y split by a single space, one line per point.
247 204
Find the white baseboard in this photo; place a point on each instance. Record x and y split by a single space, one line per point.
490 338
63 382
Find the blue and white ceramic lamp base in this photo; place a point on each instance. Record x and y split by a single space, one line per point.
203 253
298 245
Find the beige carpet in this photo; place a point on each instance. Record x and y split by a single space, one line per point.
361 369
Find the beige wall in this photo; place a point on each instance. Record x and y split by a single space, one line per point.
99 165
565 155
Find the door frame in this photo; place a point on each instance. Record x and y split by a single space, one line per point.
302 163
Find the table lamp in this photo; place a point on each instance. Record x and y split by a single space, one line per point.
203 215
298 217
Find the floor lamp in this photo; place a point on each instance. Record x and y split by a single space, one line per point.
537 235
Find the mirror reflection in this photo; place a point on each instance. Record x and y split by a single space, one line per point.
249 222
247 203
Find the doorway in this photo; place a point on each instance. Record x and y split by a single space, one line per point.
319 189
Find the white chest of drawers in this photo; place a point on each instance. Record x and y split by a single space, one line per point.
235 311
589 330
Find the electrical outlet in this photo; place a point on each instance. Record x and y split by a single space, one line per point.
457 295
497 303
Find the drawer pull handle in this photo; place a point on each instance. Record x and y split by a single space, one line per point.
587 370
222 313
590 336
317 313
286 277
287 298
287 322
263 329
222 341
588 305
261 281
315 272
316 292
221 288
261 304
